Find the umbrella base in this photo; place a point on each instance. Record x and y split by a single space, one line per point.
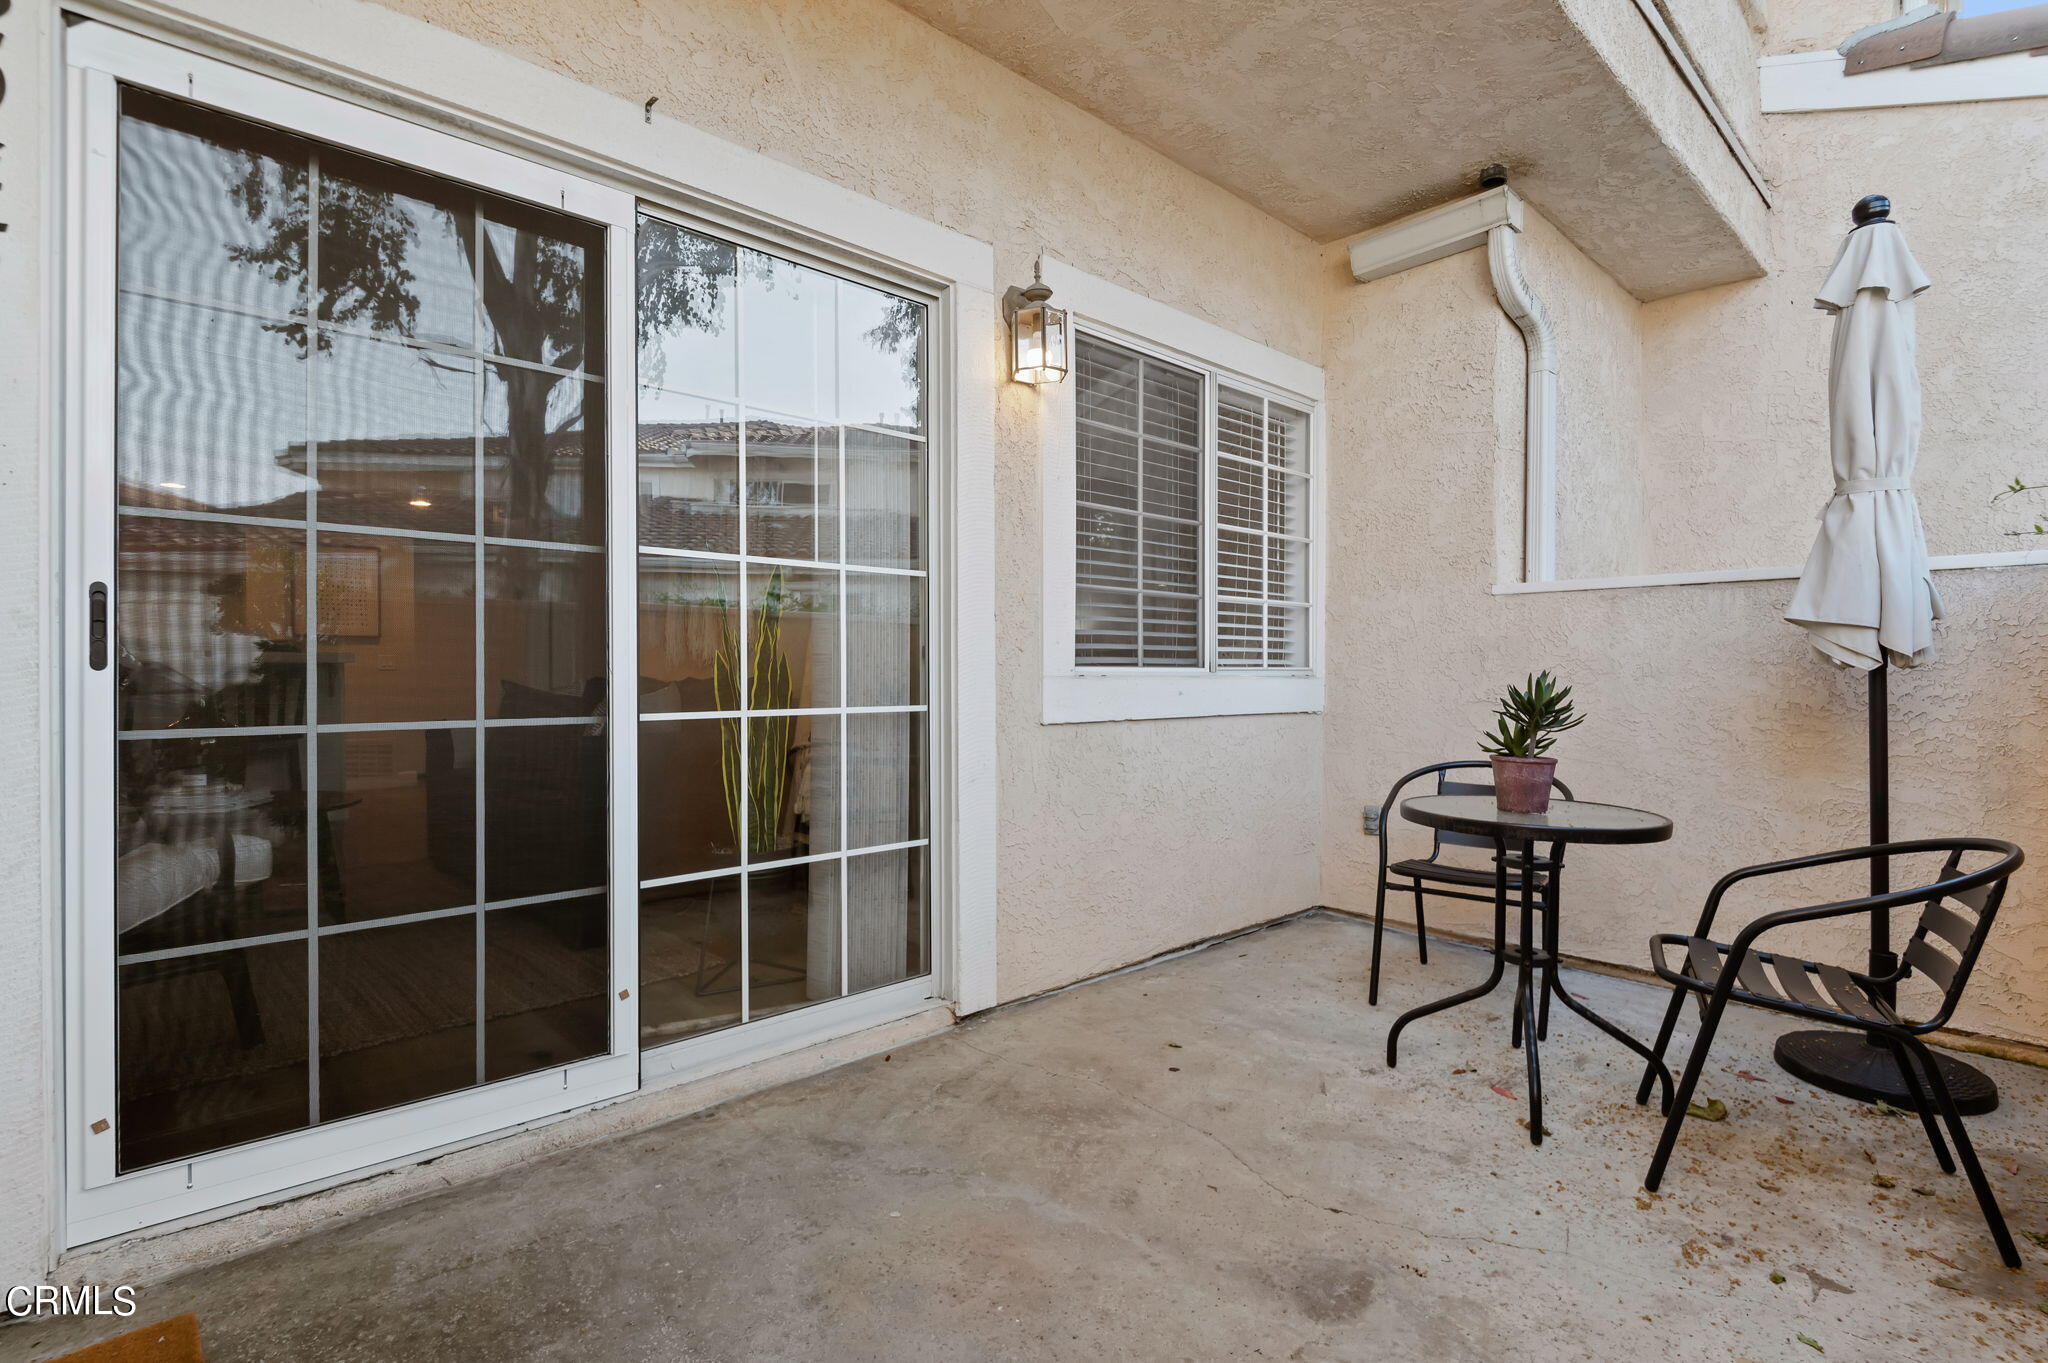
1848 1064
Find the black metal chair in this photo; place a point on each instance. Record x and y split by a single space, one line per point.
1957 913
1434 869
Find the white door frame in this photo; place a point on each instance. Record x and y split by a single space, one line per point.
99 1203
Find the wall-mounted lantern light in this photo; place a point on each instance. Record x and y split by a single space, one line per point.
1038 333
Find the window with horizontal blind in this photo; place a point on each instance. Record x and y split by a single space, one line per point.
1262 563
1178 467
1137 510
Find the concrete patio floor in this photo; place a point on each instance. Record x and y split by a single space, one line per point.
1203 1159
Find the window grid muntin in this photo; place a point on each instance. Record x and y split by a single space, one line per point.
745 561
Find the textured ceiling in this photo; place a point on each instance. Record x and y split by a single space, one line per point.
1340 115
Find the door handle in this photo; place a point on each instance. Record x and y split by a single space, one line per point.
96 628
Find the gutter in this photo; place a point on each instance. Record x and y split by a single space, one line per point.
1493 219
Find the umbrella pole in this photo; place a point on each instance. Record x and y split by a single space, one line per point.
1882 962
1855 1065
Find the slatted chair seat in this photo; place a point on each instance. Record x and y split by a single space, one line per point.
1769 980
1957 909
1452 874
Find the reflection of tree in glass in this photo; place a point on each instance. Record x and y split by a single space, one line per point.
683 277
533 287
897 334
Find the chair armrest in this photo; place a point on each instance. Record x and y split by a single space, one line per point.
1772 868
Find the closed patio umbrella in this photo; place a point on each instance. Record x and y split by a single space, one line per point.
1866 598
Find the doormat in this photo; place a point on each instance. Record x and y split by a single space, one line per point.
168 1341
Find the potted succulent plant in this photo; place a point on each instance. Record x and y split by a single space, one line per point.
1527 722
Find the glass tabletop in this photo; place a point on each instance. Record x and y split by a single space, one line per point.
1564 821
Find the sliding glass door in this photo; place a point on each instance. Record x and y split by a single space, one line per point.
481 669
360 583
346 877
782 605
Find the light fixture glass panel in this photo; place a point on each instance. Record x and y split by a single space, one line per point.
1038 336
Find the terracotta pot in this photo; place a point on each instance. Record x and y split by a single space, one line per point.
1521 785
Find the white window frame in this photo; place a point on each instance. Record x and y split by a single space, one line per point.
1075 694
512 114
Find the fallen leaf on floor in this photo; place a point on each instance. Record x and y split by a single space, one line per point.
1713 1110
1951 1285
1884 1109
1173 1045
1461 1071
1880 1181
1810 1342
1768 1186
2038 1237
1777 1277
1949 1262
1752 1078
1786 1101
1925 1192
1501 1091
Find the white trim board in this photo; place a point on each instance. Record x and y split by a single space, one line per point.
1810 82
1203 343
1937 563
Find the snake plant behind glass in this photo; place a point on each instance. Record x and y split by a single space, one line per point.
763 782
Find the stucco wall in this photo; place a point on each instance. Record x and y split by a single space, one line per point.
1603 515
1817 25
1702 704
1736 454
27 1134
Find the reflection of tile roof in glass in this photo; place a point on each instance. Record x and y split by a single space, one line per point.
788 531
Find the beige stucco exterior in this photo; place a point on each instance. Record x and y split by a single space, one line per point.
1691 437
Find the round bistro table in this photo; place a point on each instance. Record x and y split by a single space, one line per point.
1514 839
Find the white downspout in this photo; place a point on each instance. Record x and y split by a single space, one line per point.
1539 425
1492 218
